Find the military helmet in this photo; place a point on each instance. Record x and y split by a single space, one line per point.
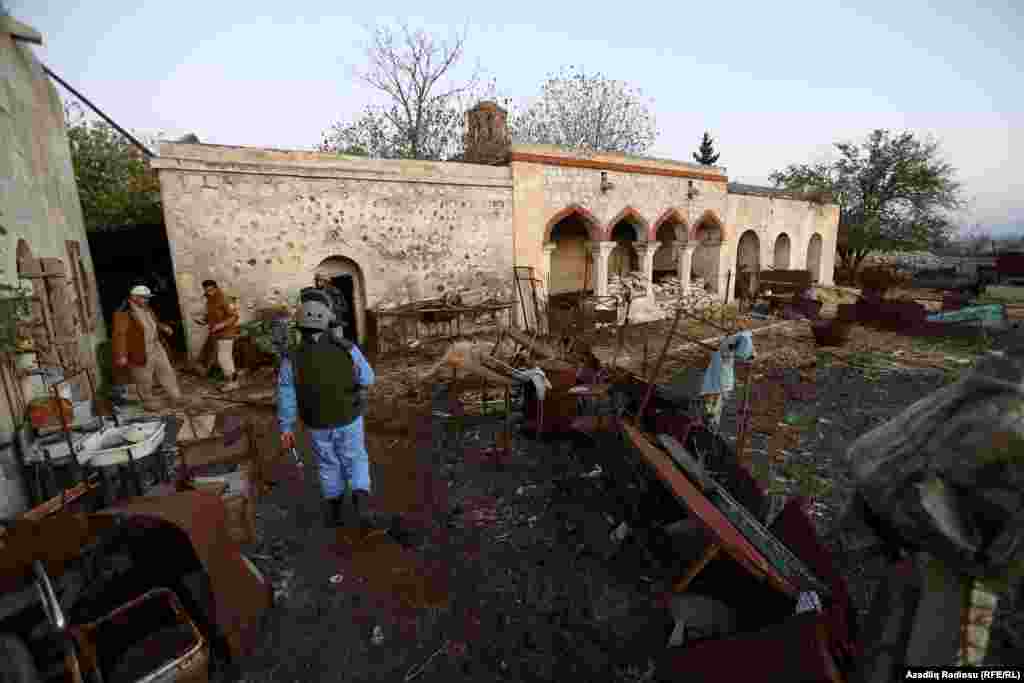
314 315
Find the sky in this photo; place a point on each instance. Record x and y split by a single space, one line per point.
775 83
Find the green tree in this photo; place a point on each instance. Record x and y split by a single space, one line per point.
116 186
706 155
589 112
894 193
423 116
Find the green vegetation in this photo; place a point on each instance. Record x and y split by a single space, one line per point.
806 480
962 347
1000 294
15 306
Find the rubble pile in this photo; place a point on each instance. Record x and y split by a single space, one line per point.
634 282
668 292
909 260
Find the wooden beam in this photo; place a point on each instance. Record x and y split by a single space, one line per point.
710 553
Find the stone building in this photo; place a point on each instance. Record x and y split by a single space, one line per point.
395 231
43 247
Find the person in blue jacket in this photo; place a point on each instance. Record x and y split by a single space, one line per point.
325 382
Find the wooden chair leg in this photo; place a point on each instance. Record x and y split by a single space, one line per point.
696 568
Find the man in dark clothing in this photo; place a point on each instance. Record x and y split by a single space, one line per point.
326 383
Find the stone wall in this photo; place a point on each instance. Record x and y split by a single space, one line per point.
261 221
38 196
549 182
769 218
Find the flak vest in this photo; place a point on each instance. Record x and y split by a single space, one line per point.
325 383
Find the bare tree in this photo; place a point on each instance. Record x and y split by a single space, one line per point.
423 117
587 111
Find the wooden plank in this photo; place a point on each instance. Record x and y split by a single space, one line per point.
73 259
717 524
54 267
211 450
59 501
29 268
696 568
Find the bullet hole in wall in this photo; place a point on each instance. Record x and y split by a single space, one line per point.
252 262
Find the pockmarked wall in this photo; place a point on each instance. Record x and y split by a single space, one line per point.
262 221
39 204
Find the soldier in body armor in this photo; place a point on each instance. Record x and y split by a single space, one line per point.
326 382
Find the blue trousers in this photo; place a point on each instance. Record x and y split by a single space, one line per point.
342 458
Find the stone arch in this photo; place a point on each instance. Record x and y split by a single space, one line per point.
631 217
593 225
673 217
709 221
781 252
748 263
670 232
709 234
814 246
345 274
568 265
626 229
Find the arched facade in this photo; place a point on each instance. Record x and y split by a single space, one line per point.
568 267
633 219
626 230
347 276
671 234
708 235
748 262
780 257
594 230
814 247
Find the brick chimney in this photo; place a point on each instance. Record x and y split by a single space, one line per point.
487 138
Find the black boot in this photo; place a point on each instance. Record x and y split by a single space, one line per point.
359 504
334 512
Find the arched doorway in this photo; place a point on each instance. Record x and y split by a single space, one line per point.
748 262
782 249
347 276
707 255
671 233
624 260
568 269
814 257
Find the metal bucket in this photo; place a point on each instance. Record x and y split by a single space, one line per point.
14 498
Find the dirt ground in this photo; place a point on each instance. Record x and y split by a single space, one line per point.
507 570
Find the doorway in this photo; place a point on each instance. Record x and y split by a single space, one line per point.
346 285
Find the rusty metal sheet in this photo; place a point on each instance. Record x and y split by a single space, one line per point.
717 524
56 540
240 597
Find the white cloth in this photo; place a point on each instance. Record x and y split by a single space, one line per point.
541 383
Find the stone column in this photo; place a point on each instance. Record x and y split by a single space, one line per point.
684 265
599 253
548 248
646 252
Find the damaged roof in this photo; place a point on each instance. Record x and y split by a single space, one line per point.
773 192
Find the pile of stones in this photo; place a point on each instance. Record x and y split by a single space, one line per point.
667 294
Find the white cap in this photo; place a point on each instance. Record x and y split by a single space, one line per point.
141 290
